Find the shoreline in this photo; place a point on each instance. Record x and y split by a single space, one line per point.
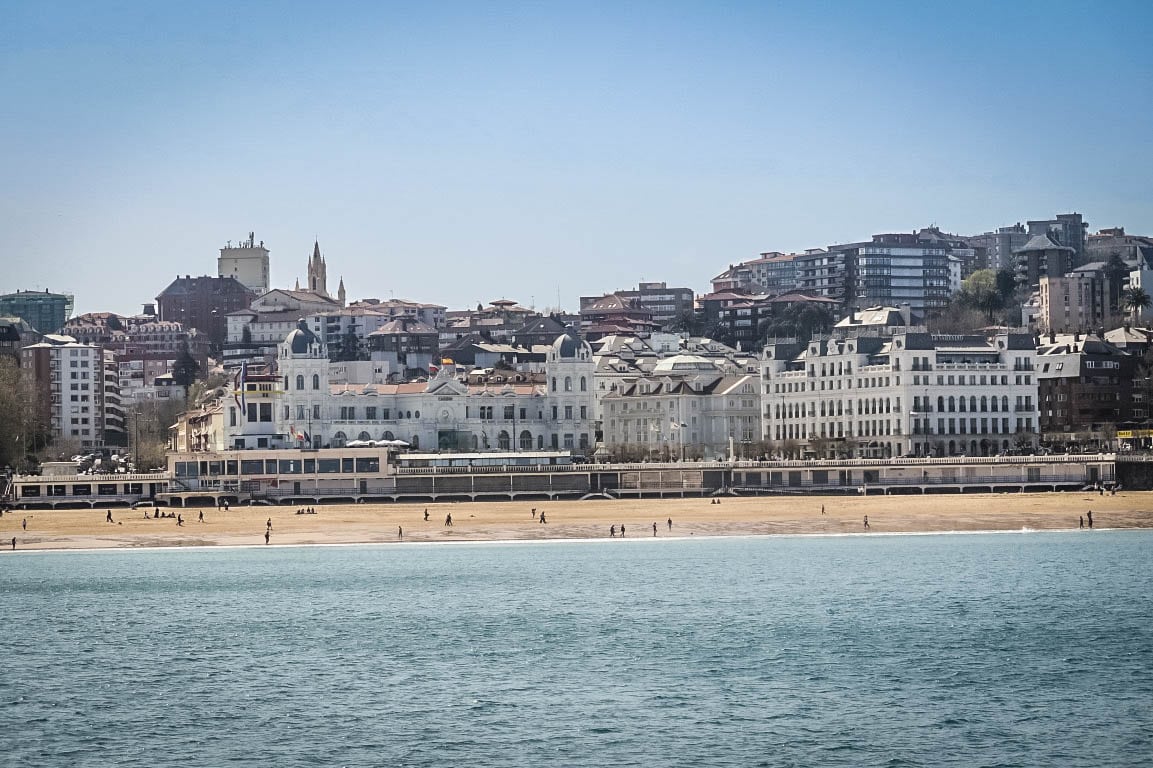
568 540
513 522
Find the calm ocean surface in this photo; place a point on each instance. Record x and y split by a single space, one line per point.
1032 649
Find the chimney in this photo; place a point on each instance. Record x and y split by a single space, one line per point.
906 313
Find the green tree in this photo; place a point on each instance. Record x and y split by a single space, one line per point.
981 292
23 430
185 369
1116 272
347 349
1135 299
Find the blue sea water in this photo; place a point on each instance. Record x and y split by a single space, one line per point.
1031 649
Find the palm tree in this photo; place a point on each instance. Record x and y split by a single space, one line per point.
1135 299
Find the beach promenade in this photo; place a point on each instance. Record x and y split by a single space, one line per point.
493 521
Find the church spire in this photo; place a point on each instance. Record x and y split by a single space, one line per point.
317 271
340 294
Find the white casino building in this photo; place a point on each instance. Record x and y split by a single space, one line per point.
513 411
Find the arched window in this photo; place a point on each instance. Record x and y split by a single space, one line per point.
300 381
286 382
961 403
316 381
540 442
502 440
984 403
940 404
993 403
568 383
364 436
584 386
952 407
526 440
388 435
415 442
1004 402
339 439
972 402
418 414
554 383
408 414
475 442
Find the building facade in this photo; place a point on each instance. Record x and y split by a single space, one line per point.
685 408
44 311
1088 387
893 391
204 303
299 405
247 263
77 388
665 305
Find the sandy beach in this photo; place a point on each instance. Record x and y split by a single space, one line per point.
490 521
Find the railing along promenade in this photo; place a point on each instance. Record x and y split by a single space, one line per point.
751 464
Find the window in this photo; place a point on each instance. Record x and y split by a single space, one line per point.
509 412
568 412
300 381
316 381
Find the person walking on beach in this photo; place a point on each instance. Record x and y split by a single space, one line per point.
180 520
822 509
654 529
1089 517
399 532
268 525
108 517
448 520
670 523
24 524
426 514
542 520
1080 521
13 543
201 516
622 530
866 522
534 513
267 534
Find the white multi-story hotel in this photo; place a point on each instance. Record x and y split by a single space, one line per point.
879 388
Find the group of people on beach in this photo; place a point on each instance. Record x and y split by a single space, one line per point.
161 516
306 511
613 529
1081 519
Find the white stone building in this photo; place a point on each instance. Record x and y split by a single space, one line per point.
511 410
686 407
896 390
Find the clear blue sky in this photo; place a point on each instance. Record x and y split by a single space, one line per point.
462 152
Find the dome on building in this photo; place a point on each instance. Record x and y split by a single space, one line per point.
300 339
568 345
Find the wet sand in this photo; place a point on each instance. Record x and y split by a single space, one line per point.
490 521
